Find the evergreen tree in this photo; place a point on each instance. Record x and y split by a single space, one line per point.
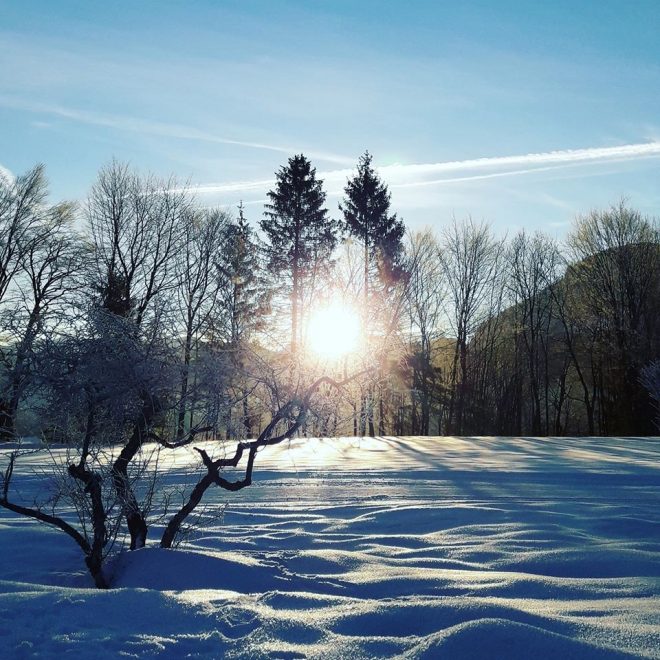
299 235
244 297
366 209
115 295
244 303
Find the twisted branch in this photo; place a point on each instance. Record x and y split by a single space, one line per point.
294 410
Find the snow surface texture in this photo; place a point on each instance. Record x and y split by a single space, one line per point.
370 548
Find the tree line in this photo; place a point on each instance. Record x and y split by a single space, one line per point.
485 335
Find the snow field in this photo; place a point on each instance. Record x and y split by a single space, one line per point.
368 548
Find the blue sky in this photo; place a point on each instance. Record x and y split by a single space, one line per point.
518 112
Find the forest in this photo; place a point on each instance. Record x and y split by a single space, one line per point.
450 331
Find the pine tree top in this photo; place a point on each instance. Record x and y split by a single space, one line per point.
296 223
366 210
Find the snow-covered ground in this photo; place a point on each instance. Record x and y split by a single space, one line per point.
393 547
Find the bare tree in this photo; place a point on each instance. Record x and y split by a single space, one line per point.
197 291
581 341
616 269
41 262
136 226
533 270
650 379
425 292
283 425
91 545
22 206
471 260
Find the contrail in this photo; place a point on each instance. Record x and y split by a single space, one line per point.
426 174
523 163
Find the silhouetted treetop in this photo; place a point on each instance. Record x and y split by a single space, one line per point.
296 222
366 210
300 237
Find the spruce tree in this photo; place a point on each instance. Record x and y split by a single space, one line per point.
244 297
300 237
244 301
366 209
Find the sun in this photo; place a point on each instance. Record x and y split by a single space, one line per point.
333 331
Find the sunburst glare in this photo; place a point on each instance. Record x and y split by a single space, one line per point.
333 331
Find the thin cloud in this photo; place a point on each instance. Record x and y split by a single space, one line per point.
179 131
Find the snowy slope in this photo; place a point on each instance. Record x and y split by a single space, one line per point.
363 548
